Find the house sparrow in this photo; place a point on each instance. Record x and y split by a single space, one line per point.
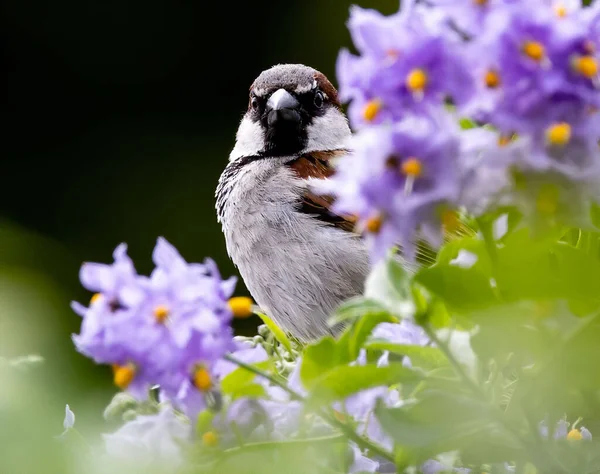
298 259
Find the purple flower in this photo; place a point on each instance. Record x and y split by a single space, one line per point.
561 431
361 463
167 329
536 70
546 183
400 180
466 18
405 66
433 467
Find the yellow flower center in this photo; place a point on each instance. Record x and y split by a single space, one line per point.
450 220
210 439
161 313
95 298
534 50
492 79
416 80
373 224
547 200
372 109
412 167
559 134
240 306
560 10
575 435
123 375
480 2
202 379
504 140
587 66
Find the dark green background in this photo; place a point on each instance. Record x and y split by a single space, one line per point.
120 117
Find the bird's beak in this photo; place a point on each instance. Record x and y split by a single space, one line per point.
282 109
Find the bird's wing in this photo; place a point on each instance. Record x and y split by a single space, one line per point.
317 165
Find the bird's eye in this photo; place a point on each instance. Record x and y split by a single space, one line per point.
254 102
319 99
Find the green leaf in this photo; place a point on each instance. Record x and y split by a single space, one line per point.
353 338
568 368
461 289
422 356
276 330
343 381
296 456
354 309
317 359
239 382
467 123
389 285
441 422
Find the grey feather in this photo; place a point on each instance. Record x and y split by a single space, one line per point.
297 268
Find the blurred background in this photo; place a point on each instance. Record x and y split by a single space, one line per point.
119 117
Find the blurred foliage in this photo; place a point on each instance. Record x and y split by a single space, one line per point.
120 118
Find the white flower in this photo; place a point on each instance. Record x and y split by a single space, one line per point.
69 418
68 422
150 440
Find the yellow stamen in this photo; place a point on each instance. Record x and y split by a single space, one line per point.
492 79
587 66
95 298
416 80
161 313
480 2
559 134
123 375
210 439
412 167
373 224
240 306
534 50
575 435
372 109
450 220
547 200
202 379
560 10
504 140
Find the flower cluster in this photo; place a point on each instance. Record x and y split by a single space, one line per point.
168 329
527 69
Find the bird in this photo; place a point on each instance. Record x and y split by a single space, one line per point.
298 258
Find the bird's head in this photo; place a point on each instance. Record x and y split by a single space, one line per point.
292 109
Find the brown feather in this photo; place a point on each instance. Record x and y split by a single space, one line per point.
317 165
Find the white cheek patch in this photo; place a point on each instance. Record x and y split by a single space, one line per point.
329 132
250 139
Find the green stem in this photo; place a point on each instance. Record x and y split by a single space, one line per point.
288 442
472 385
255 370
330 419
457 366
487 231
